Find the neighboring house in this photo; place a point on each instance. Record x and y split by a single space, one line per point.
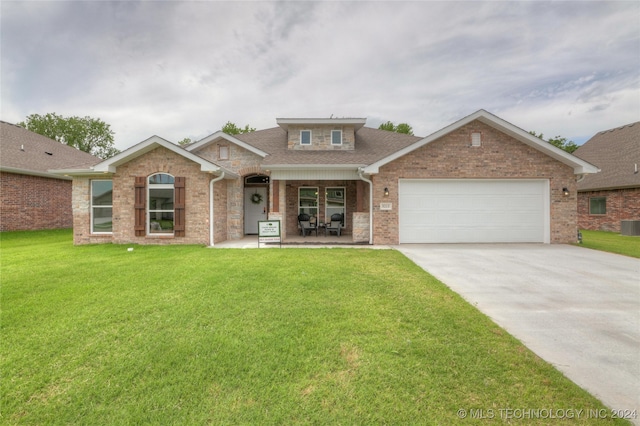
30 197
613 195
480 179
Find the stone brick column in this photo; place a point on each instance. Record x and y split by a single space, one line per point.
360 227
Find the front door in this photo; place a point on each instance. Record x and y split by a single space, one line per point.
255 208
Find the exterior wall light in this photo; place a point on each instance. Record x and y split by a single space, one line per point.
565 192
386 192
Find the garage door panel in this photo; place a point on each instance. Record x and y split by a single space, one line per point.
525 203
496 202
440 211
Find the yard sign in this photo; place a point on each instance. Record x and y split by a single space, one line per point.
269 231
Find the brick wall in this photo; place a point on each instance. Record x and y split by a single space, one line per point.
360 227
33 202
321 137
160 160
500 156
291 199
242 162
621 204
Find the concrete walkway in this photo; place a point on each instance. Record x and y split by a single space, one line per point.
344 241
577 308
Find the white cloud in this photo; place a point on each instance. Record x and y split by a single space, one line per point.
183 69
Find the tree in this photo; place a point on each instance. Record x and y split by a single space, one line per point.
185 141
400 128
560 142
388 126
87 134
404 128
231 129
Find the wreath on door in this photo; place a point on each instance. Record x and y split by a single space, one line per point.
256 198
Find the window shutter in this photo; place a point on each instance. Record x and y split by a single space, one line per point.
139 206
179 219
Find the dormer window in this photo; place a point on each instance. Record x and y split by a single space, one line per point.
305 137
336 137
321 134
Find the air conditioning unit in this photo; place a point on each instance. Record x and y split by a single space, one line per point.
630 227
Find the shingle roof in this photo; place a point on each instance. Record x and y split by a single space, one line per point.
616 152
24 151
370 145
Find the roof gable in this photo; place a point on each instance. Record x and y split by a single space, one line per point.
579 166
220 135
150 144
111 165
617 153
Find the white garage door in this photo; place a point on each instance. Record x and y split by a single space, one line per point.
473 211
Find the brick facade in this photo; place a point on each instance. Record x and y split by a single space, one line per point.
321 138
32 202
291 198
621 204
499 156
242 162
360 227
160 160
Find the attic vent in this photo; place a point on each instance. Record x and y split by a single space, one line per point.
223 152
476 139
48 153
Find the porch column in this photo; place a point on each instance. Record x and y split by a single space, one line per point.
275 190
360 196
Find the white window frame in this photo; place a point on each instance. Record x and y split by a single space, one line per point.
101 206
327 215
151 186
339 139
310 137
300 206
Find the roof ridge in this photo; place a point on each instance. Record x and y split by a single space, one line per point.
13 124
618 127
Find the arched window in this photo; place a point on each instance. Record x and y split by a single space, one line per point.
160 204
260 179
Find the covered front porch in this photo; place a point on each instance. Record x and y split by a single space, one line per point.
319 201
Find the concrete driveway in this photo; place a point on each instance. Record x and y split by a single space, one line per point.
578 309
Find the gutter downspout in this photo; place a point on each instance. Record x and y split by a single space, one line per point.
360 172
211 206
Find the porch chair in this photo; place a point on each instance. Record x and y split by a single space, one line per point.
335 225
305 225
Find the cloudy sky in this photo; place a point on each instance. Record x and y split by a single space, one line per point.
183 69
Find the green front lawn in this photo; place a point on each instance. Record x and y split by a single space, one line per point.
189 335
612 242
